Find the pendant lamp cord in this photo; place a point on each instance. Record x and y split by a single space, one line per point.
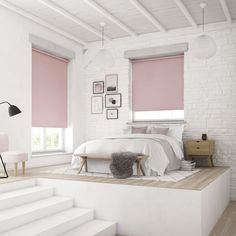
203 19
102 36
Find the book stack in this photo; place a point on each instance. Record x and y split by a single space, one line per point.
188 165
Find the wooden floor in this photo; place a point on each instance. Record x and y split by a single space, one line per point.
196 181
226 226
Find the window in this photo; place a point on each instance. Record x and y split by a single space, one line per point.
157 89
47 140
49 102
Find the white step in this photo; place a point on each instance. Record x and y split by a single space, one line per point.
24 196
55 224
15 217
94 228
6 187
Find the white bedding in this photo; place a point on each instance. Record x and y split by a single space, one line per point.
163 152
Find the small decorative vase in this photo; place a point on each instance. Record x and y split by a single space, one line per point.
204 137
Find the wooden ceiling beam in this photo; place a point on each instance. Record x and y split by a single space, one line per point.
39 21
186 13
148 15
71 17
110 17
226 10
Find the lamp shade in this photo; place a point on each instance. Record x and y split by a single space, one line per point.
13 110
203 47
103 59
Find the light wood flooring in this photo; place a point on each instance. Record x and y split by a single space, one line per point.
196 181
226 226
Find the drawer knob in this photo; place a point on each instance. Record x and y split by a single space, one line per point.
198 147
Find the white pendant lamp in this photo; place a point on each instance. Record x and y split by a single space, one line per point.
204 46
103 58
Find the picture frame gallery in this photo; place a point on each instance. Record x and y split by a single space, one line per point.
111 100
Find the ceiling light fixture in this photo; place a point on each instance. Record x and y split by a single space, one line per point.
103 58
204 46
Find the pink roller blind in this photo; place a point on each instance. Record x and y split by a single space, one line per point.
49 91
158 84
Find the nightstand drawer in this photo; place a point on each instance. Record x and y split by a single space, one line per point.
198 150
198 143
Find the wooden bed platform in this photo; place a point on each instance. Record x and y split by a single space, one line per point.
191 206
196 181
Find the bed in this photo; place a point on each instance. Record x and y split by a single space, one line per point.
164 152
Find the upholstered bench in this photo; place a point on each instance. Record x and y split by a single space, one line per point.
15 157
11 156
86 157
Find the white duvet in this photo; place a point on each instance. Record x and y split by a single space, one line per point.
162 151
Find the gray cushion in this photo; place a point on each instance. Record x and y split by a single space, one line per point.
139 130
159 130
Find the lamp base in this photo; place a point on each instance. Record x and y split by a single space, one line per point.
4 167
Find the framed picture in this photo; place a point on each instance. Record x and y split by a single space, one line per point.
113 100
96 104
112 114
111 83
98 87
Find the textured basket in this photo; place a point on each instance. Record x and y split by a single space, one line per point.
188 165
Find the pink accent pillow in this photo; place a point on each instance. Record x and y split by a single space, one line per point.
159 130
138 130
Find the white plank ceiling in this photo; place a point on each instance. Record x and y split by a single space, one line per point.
81 18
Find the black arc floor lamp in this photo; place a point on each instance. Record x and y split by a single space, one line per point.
12 111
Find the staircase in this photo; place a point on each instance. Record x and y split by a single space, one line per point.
27 209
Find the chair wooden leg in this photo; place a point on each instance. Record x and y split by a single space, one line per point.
23 167
15 168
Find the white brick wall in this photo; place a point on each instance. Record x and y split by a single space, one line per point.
209 94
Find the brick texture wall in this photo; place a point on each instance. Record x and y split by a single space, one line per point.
209 91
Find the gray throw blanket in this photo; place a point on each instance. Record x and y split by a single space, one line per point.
122 164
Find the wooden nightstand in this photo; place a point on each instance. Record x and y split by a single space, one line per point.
199 149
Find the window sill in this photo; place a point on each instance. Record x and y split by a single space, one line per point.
48 154
157 122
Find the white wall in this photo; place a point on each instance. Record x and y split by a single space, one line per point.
143 210
209 94
15 81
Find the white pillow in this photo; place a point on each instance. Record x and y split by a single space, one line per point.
176 132
127 130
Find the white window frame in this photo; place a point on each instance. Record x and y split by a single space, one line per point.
162 116
44 150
